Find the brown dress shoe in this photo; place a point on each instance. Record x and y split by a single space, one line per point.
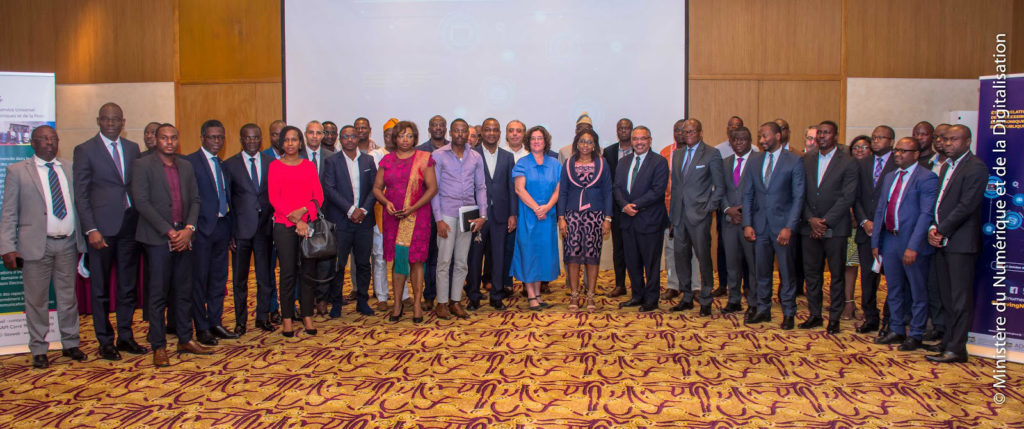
194 348
670 294
458 311
618 291
441 310
160 358
428 304
383 306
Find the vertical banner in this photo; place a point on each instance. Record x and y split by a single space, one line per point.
998 327
27 100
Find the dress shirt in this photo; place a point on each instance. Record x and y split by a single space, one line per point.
174 186
460 182
823 161
54 226
743 165
120 151
213 173
726 149
874 162
519 154
903 190
774 159
353 177
638 161
624 152
936 164
246 158
378 154
319 157
953 164
491 159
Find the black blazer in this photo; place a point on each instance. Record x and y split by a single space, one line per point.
338 189
834 198
868 193
99 189
152 197
208 201
733 195
250 206
957 208
648 194
502 200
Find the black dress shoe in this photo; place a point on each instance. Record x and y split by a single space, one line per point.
73 353
647 308
275 317
812 322
239 330
935 348
131 346
732 308
933 336
948 357
867 328
909 345
310 331
750 313
761 317
206 338
40 361
498 305
682 306
630 303
265 326
884 329
719 291
222 332
890 338
473 306
705 310
833 327
787 323
109 352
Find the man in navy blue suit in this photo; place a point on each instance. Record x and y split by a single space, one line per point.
210 243
640 183
103 169
251 235
772 203
502 204
902 242
348 185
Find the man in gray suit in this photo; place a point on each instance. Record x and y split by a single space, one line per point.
39 229
696 191
739 252
167 197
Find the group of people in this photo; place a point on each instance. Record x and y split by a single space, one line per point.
451 215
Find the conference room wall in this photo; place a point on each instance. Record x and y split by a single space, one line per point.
234 104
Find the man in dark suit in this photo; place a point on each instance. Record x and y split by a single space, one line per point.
613 153
901 242
772 203
251 238
956 232
830 181
697 189
103 171
871 170
210 246
640 192
164 188
348 189
740 252
502 206
316 154
274 151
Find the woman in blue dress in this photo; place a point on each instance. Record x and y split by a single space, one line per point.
536 179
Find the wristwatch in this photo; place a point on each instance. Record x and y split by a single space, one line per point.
191 227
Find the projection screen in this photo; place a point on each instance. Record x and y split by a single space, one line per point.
542 62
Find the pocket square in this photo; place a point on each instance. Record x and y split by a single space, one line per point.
699 166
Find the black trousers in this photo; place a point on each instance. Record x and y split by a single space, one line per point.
618 256
286 241
125 250
956 286
643 261
493 239
868 284
358 242
816 253
171 276
936 312
253 250
430 268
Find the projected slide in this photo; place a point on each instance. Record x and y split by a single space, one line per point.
542 62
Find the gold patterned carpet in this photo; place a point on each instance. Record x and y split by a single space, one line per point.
518 368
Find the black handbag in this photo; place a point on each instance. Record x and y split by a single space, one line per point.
322 242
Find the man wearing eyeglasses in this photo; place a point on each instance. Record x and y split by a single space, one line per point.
871 170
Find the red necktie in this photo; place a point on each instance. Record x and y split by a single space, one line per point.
890 209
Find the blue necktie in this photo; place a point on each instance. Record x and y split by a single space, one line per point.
56 195
686 161
222 194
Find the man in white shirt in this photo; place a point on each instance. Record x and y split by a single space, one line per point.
515 130
735 122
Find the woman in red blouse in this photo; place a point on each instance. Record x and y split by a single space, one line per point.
293 185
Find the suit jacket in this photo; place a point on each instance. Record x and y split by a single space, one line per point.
209 203
648 194
832 199
250 206
337 186
867 193
959 219
23 220
915 213
769 209
732 194
152 196
100 190
502 200
697 192
611 154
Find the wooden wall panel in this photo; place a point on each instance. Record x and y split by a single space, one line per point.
714 101
27 36
924 38
1017 38
799 103
268 106
230 40
723 36
232 104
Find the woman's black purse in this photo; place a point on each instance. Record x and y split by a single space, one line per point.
321 243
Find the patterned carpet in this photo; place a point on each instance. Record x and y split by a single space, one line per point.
518 368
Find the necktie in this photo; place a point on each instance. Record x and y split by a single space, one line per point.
890 209
120 170
736 171
317 166
56 195
632 174
222 196
686 161
878 171
252 173
768 171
